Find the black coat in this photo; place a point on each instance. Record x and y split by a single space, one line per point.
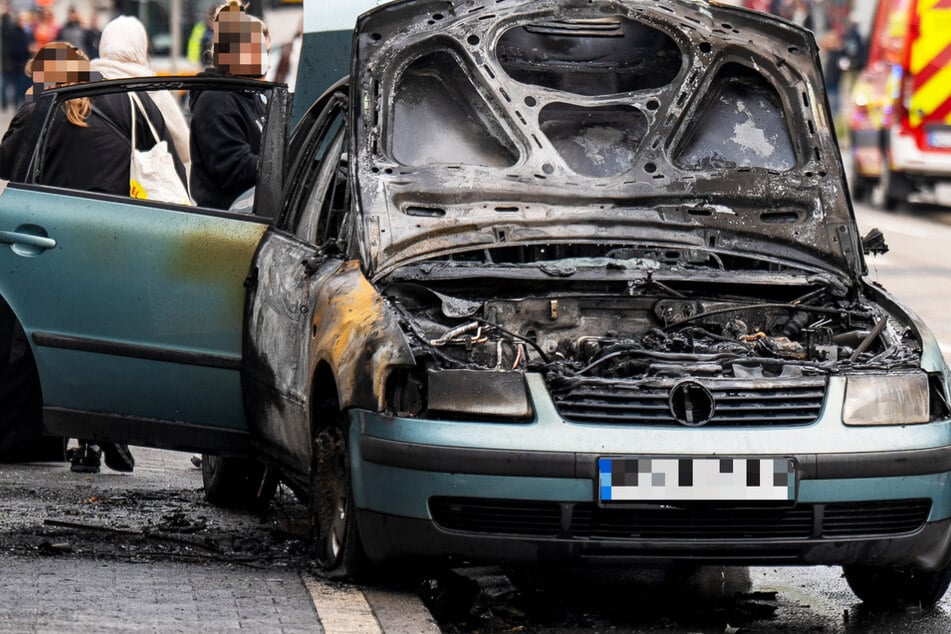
96 158
225 142
13 141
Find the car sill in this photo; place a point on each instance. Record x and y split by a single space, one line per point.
120 349
149 432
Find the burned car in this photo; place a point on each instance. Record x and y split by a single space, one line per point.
588 288
548 281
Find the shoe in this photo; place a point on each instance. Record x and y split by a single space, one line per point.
86 459
118 457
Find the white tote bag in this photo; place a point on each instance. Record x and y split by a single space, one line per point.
152 173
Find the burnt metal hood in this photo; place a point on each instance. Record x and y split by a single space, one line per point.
482 123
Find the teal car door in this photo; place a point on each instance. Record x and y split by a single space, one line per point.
134 310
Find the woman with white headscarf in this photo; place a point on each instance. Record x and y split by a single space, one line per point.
123 52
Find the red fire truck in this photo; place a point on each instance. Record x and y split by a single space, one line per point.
900 122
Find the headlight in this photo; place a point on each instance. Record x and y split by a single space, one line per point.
479 394
879 399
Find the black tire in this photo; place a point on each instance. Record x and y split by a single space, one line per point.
895 187
238 483
862 188
337 545
21 401
890 589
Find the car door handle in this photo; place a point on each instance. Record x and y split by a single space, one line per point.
14 237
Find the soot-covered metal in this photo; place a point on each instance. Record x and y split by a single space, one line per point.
522 122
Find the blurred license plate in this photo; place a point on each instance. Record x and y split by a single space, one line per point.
696 479
940 138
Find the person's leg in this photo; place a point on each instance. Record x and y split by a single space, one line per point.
118 457
5 89
86 458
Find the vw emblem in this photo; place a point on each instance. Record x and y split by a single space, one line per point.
691 404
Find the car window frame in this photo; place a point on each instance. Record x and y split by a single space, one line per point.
270 172
309 138
324 171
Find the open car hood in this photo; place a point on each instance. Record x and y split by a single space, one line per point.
480 124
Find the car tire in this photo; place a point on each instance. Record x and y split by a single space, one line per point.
895 187
862 189
889 588
21 400
237 482
337 545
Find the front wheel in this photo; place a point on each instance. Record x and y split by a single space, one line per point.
895 187
339 550
862 188
237 482
889 588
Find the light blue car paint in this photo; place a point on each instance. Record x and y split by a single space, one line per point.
130 273
406 492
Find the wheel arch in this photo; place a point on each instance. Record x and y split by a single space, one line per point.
324 395
358 337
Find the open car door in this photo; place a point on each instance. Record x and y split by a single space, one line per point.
134 308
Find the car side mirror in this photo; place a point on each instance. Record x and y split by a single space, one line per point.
874 243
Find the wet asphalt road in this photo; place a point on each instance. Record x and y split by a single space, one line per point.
918 267
144 552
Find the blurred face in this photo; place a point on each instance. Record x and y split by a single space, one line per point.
58 71
241 48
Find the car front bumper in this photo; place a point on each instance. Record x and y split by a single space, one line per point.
526 492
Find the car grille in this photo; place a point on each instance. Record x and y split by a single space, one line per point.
768 523
880 518
737 403
513 517
588 521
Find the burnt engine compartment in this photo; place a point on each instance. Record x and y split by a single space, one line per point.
611 334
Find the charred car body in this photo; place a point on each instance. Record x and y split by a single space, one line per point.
547 281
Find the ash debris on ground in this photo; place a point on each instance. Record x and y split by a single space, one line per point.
701 599
131 525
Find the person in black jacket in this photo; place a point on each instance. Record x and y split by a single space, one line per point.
88 146
226 127
56 64
12 142
96 157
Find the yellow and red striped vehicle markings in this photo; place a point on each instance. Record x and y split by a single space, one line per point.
931 64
